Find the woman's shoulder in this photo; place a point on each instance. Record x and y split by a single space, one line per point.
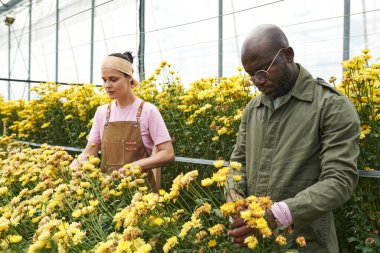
102 109
149 107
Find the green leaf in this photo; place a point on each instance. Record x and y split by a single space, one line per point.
217 212
353 239
367 250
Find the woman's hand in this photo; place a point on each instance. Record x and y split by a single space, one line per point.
164 155
91 149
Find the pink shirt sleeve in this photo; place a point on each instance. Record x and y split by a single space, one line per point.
282 213
153 128
157 127
95 136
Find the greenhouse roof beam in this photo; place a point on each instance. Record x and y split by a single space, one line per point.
9 5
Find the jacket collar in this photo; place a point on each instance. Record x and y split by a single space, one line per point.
303 89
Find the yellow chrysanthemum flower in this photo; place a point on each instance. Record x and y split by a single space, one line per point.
261 223
215 138
45 125
280 240
14 238
218 163
235 165
228 208
77 213
80 191
216 230
207 182
211 243
301 241
68 117
251 242
3 190
200 235
170 243
366 51
158 222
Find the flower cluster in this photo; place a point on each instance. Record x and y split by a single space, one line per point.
361 83
47 206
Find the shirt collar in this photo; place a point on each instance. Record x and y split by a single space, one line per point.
304 87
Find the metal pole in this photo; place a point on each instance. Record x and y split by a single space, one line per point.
141 53
30 47
92 41
220 44
56 40
365 25
9 61
346 31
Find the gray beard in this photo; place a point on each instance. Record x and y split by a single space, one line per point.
285 85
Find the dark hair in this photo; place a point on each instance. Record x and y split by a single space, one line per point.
126 56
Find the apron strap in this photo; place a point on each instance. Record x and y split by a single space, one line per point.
108 114
139 111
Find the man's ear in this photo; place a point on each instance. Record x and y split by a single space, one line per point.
289 54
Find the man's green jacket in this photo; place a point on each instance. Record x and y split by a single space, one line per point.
304 153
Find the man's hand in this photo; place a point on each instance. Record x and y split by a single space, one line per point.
239 231
272 221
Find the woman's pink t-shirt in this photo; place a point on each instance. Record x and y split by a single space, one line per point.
152 125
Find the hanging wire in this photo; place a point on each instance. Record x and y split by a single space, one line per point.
210 41
18 47
158 29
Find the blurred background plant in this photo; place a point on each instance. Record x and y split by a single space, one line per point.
359 220
203 121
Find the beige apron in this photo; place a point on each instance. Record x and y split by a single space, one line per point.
122 144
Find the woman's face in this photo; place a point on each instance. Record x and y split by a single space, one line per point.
116 83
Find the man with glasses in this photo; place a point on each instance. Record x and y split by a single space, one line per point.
297 142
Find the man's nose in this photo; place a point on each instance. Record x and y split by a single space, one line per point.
260 82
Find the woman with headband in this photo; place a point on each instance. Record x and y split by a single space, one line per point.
127 129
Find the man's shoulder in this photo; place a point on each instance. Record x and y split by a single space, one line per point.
332 96
324 85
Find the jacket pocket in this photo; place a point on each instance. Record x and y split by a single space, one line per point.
315 233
